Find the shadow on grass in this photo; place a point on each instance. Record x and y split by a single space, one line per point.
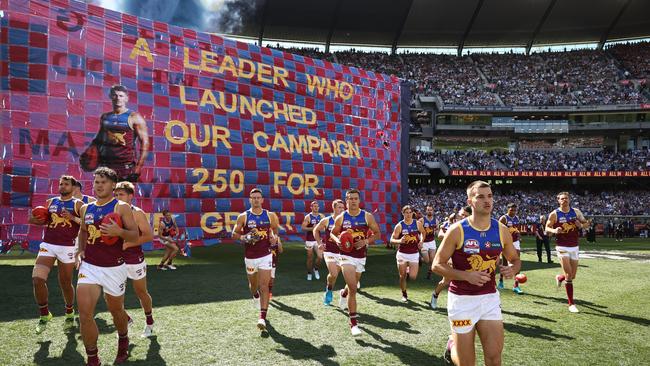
413 305
406 354
528 316
153 354
291 310
70 355
302 350
383 323
534 331
597 309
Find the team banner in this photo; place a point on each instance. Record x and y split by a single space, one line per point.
548 174
208 119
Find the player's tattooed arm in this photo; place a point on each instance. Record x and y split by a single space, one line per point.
581 221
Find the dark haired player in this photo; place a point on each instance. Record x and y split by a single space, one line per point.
511 221
312 219
330 249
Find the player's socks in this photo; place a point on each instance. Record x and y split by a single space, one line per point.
149 317
344 292
569 291
429 274
93 357
69 309
330 287
353 319
405 296
122 348
516 284
43 309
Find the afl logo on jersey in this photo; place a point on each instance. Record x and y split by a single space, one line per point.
89 219
347 224
53 208
562 220
252 223
471 246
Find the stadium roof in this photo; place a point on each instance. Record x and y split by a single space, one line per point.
406 23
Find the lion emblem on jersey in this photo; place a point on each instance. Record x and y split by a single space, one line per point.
513 230
566 227
56 220
410 239
428 230
357 236
479 264
117 138
259 234
93 234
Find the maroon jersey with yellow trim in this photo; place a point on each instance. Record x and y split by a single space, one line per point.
412 234
429 229
512 222
134 255
59 230
312 221
330 245
359 227
97 252
116 139
261 226
479 251
571 234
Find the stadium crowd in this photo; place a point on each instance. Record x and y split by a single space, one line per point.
532 204
603 160
617 75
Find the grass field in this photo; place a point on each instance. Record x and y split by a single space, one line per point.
204 316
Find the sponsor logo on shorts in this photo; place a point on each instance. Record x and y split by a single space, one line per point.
81 275
250 269
461 323
471 246
43 250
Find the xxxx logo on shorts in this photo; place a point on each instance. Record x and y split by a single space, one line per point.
43 250
250 269
461 323
81 275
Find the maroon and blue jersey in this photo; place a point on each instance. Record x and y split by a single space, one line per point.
134 255
512 222
165 226
59 230
571 234
412 234
479 251
116 139
359 227
97 252
260 225
429 229
312 220
330 245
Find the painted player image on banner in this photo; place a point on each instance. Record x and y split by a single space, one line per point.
194 119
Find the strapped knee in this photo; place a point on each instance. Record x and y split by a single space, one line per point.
40 271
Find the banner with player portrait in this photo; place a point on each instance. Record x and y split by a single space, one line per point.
208 119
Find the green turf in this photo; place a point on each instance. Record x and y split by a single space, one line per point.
204 316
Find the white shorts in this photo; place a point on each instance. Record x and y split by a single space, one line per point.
428 245
464 311
332 258
111 279
517 245
136 271
359 263
571 252
407 257
253 265
62 253
311 244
